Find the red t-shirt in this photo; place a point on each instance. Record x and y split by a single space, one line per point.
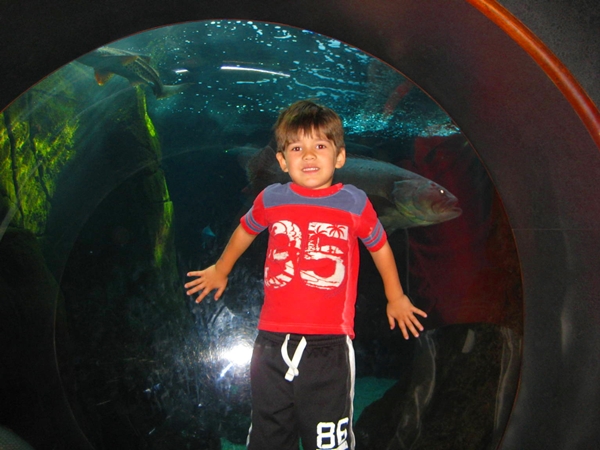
311 268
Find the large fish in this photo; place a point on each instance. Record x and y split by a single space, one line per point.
108 61
401 198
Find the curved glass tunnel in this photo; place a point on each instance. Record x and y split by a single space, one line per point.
114 185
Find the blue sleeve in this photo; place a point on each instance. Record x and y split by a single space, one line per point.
254 221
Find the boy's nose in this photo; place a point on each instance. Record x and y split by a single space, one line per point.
309 154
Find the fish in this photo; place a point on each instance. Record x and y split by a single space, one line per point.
208 237
395 97
108 61
401 198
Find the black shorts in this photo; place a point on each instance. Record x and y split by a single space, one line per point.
313 404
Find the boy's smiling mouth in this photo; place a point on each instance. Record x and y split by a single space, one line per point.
310 169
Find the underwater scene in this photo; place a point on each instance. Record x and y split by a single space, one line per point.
129 167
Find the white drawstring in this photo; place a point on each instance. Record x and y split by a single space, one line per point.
295 361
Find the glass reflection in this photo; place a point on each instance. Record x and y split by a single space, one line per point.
130 166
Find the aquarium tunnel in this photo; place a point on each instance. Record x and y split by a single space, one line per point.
134 135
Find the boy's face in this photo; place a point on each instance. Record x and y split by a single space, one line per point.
311 160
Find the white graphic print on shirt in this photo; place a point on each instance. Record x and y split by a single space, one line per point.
324 250
280 269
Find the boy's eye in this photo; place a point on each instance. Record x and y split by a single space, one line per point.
295 149
321 146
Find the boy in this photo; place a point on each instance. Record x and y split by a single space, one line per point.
302 370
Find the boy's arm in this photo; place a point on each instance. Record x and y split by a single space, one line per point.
215 276
399 307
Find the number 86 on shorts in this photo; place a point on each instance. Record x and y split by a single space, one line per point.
332 437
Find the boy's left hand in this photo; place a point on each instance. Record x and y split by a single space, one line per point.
403 311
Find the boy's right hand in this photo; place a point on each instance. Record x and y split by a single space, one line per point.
206 281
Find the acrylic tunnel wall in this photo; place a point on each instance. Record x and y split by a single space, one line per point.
100 349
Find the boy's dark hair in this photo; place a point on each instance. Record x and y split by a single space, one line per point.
304 116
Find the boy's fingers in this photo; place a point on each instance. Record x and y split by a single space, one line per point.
416 323
205 290
195 273
218 294
404 332
414 330
391 321
193 288
201 296
411 325
196 280
192 283
420 312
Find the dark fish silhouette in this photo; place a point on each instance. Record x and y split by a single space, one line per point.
401 198
107 61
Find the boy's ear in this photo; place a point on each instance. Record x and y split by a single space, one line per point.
281 160
341 158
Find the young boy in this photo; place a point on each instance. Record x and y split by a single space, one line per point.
302 370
